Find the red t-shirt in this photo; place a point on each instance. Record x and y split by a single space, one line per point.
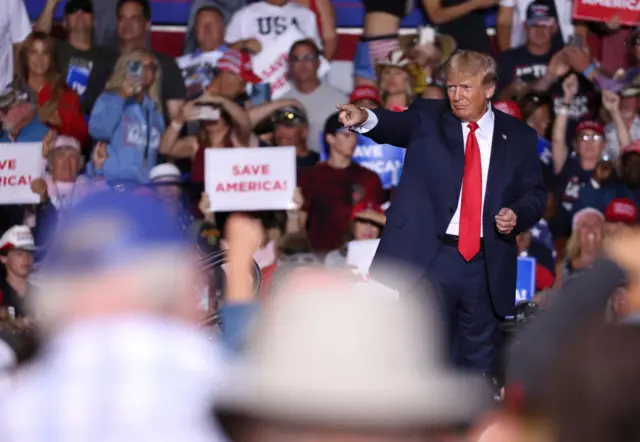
329 196
197 165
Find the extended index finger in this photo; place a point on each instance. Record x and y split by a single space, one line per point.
343 106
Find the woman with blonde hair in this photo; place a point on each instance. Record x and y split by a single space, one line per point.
395 82
128 117
58 106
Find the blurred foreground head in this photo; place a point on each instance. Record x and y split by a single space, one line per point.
330 359
116 254
592 395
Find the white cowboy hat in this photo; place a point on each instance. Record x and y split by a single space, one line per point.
350 359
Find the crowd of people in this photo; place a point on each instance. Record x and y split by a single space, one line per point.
100 262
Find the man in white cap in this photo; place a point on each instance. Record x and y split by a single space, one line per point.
327 361
16 253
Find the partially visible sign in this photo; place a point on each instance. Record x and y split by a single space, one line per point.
628 11
272 63
198 70
544 151
360 254
20 163
526 279
78 75
250 178
384 159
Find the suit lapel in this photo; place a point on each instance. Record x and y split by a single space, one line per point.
452 133
499 145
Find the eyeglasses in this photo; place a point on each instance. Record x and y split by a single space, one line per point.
594 137
308 57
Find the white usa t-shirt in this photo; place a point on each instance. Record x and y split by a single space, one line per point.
14 27
265 22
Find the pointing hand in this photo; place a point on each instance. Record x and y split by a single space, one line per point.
351 115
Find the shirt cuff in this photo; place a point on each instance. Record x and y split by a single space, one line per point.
372 121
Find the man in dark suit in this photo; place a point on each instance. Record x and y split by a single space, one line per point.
471 183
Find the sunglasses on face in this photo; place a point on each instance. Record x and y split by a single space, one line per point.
298 58
594 137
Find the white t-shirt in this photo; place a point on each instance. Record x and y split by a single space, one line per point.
265 22
518 37
14 27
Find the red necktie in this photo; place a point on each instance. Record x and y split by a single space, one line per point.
471 204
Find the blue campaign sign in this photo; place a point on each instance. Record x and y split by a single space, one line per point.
385 160
544 151
526 279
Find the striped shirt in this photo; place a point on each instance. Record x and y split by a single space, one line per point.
126 380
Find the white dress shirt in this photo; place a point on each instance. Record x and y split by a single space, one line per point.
484 135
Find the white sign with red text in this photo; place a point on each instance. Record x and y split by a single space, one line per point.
250 178
272 63
20 163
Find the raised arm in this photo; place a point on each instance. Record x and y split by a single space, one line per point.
559 149
381 125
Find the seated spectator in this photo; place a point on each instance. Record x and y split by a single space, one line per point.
331 189
291 129
231 128
621 214
58 106
525 67
77 55
394 82
318 98
585 243
16 254
572 171
20 122
326 20
367 222
15 26
366 96
512 19
212 26
134 23
624 124
166 181
259 24
463 20
61 186
199 65
128 117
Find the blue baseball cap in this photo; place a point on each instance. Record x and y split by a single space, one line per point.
108 230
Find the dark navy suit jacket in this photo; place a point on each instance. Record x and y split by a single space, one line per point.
427 196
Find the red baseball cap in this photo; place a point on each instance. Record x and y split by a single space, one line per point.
369 211
590 125
239 63
366 92
509 108
621 210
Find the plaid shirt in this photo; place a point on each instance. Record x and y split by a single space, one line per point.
133 380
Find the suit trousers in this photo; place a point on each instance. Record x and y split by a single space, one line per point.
466 310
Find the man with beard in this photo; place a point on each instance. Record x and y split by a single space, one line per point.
292 129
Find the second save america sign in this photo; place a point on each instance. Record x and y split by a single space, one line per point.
628 11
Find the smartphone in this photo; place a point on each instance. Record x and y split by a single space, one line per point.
576 40
427 36
134 69
260 94
208 112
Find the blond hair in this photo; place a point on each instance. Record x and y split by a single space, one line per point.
474 63
120 72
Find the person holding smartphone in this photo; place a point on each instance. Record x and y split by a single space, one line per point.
223 124
128 117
